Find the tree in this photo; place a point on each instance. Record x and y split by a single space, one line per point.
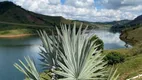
98 42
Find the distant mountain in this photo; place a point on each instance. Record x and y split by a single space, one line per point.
9 12
119 26
137 22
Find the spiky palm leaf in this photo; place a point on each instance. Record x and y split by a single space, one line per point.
48 53
29 70
79 58
113 74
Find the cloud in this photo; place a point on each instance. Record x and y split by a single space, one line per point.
55 2
112 4
116 4
77 12
132 2
80 3
2 0
85 9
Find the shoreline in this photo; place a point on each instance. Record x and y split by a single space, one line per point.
16 35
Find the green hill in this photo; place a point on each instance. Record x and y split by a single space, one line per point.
13 17
9 12
132 35
137 22
119 26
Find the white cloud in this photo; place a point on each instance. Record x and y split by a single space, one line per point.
80 3
3 0
84 9
135 10
131 2
116 4
80 13
55 2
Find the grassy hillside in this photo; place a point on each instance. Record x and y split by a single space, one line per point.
119 26
132 36
132 66
9 12
16 20
16 32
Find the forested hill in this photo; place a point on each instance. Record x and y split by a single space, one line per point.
137 22
9 12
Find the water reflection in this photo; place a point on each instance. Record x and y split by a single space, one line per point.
13 49
111 40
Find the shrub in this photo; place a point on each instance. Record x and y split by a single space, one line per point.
98 42
114 58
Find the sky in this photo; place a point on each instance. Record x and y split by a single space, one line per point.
85 10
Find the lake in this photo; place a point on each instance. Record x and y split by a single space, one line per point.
13 49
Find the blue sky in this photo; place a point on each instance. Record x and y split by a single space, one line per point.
62 1
88 10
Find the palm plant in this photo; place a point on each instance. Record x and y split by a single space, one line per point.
112 75
70 55
29 70
78 56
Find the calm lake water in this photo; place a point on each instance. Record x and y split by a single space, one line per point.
13 49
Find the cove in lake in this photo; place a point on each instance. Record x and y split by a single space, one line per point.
111 40
13 49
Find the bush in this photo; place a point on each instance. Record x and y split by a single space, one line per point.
98 42
114 58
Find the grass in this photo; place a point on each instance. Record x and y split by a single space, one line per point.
122 51
16 32
132 36
132 66
44 76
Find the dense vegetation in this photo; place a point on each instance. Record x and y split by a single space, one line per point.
114 58
98 42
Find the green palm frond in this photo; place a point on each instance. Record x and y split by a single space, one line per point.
29 70
79 56
48 53
113 74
